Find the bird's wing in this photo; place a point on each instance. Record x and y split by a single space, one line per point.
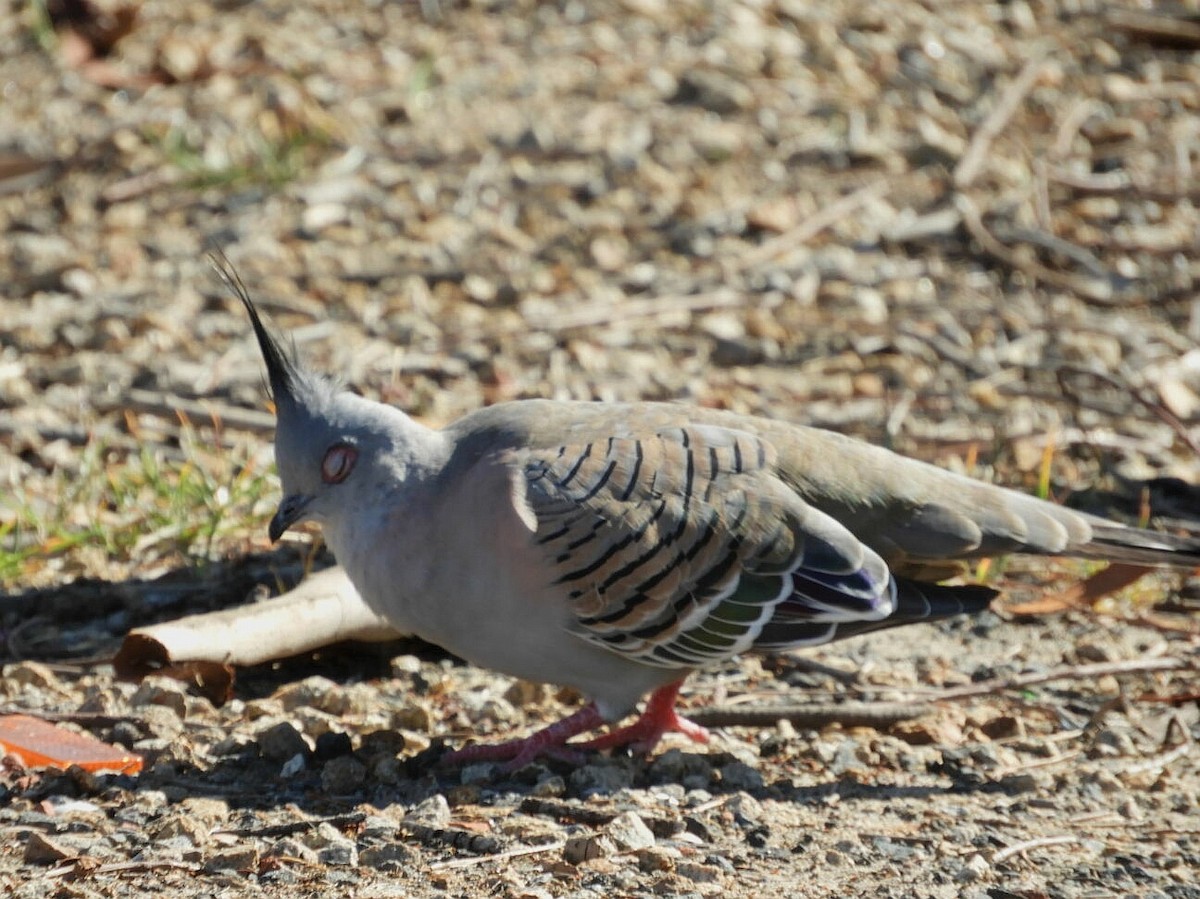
679 546
911 511
905 510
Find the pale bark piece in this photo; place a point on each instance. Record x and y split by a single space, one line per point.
204 649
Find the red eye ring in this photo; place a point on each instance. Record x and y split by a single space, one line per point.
338 463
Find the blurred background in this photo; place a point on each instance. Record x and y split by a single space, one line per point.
968 231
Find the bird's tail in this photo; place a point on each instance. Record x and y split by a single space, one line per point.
1137 546
915 602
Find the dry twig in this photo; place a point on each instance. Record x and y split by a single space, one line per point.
1019 848
815 715
1096 289
455 864
84 867
1132 385
813 225
971 163
594 315
1160 760
168 406
1067 672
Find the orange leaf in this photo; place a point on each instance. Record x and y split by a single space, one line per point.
39 743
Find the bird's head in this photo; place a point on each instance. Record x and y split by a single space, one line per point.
336 452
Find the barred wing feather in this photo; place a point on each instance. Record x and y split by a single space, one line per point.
680 547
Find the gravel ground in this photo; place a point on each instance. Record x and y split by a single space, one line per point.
968 231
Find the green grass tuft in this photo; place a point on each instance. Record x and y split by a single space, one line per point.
267 161
41 26
121 512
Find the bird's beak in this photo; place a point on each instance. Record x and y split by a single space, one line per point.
291 510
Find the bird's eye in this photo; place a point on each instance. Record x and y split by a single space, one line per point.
338 463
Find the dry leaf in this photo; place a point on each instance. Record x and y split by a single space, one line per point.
1083 594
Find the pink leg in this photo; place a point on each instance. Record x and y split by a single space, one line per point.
549 741
658 718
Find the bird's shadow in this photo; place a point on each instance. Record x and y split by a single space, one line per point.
246 781
83 621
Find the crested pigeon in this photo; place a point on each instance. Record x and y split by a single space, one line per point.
615 548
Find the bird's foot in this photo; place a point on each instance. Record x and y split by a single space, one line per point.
549 742
658 718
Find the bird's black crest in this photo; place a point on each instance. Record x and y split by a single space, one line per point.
283 373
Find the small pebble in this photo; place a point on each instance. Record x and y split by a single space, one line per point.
332 744
388 857
629 832
282 741
739 776
599 778
242 859
342 775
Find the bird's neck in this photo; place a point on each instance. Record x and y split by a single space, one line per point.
371 537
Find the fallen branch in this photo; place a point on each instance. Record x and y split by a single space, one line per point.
998 774
1156 27
203 649
1131 385
85 867
1161 760
1118 183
